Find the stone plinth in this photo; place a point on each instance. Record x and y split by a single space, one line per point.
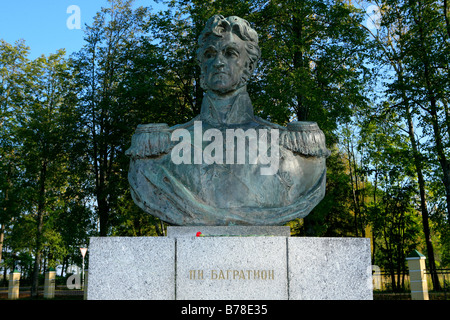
242 231
131 268
223 264
14 285
330 269
417 276
49 284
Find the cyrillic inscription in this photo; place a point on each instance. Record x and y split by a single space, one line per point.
218 274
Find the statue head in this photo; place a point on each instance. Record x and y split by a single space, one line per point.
228 53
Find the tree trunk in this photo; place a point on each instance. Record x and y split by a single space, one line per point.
352 166
103 215
447 115
432 99
5 209
297 26
423 203
446 17
2 236
40 225
5 272
374 236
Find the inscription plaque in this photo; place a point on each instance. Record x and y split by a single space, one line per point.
230 268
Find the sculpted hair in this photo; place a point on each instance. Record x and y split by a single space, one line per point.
217 25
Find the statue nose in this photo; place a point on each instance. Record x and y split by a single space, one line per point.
219 62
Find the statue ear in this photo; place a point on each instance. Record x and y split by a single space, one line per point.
251 67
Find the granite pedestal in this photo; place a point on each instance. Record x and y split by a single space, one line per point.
229 263
131 268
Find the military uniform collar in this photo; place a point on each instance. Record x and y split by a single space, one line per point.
240 112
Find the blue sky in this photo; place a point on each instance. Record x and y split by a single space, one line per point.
43 23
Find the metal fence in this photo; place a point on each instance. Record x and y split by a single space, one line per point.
61 292
382 283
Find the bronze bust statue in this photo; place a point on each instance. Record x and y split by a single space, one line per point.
227 166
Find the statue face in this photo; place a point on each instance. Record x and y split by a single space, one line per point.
223 62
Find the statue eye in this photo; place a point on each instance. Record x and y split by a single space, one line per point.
231 53
209 54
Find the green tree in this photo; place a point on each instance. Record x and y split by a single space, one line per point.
13 59
44 132
312 68
399 226
110 111
398 42
355 152
392 212
427 70
333 216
